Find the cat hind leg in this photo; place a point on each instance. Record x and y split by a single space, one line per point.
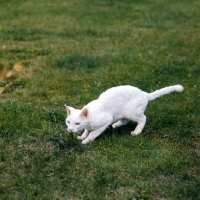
120 123
141 123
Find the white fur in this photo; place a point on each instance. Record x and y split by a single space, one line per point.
115 106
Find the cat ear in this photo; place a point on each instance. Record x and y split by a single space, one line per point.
85 112
67 109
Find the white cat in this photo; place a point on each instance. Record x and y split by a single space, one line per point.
115 106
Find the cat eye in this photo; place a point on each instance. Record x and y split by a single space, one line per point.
68 122
77 124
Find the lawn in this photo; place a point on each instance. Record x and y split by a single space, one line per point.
71 51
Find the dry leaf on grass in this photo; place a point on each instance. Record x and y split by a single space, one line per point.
9 73
5 72
4 47
2 90
18 66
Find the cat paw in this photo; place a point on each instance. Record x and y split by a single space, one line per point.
134 133
80 138
85 141
114 125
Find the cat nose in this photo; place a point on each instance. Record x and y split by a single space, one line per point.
70 129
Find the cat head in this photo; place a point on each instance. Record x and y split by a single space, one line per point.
76 120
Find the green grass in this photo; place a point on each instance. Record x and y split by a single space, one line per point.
74 50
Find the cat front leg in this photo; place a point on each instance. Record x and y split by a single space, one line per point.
93 134
84 135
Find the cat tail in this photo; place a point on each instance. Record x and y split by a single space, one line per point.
163 91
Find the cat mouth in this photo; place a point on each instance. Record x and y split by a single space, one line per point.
71 131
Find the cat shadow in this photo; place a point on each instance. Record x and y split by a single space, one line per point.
71 144
119 131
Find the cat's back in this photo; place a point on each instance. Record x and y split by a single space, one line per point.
118 101
123 92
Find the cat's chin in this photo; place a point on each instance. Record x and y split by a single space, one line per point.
74 132
69 131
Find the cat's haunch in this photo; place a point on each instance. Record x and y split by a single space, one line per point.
115 106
